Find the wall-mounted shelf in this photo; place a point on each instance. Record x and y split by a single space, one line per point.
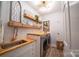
20 25
31 18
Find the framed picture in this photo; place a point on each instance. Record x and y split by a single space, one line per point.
15 11
46 26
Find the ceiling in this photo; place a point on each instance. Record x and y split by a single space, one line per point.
53 6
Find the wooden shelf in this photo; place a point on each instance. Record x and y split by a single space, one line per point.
14 24
20 25
31 18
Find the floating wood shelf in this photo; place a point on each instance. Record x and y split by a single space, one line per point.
20 25
31 18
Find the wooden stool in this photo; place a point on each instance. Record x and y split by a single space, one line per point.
60 45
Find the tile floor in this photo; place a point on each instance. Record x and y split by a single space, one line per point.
54 52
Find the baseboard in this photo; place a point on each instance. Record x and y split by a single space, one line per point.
73 55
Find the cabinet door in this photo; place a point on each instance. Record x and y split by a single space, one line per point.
37 50
37 46
28 51
33 49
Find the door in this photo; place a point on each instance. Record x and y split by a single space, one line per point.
74 18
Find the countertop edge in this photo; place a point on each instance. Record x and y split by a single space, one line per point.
37 34
15 47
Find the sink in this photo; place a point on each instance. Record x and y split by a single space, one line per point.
8 45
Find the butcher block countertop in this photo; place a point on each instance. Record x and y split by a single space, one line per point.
28 41
38 33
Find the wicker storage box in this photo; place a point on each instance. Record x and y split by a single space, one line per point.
60 45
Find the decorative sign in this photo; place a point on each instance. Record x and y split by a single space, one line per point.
15 11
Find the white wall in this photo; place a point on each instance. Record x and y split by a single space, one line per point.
56 22
0 25
73 29
74 18
0 9
8 31
56 25
0 12
22 33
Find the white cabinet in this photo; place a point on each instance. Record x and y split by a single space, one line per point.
37 44
24 51
30 50
38 47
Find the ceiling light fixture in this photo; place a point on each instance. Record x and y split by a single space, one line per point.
44 6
